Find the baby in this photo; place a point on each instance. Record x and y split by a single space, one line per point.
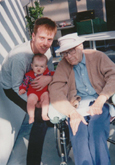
36 98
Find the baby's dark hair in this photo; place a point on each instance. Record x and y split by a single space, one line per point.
39 55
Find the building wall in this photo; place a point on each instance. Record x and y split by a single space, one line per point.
57 9
12 27
81 5
110 8
65 9
97 5
12 32
72 7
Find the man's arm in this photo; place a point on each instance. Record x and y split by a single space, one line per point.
107 69
41 81
58 88
17 74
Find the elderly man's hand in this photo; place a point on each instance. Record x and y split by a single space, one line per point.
96 108
75 119
40 82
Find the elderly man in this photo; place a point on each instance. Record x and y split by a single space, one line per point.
89 74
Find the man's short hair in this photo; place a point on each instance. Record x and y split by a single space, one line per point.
45 22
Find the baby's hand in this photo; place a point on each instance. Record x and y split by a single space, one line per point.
22 91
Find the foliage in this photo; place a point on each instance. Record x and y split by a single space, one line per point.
33 14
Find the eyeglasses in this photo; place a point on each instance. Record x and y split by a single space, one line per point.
70 51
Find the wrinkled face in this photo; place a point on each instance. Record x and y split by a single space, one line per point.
42 40
74 55
39 65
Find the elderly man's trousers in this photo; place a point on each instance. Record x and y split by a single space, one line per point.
90 142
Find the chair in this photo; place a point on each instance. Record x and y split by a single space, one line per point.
63 143
61 131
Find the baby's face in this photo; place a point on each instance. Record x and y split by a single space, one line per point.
39 65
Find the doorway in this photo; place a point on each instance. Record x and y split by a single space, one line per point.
110 12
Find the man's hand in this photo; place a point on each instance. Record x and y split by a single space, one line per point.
75 119
96 108
40 82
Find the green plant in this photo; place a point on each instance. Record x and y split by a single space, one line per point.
33 14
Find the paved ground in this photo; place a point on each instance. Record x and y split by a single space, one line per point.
50 156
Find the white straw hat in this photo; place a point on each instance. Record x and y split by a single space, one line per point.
69 41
